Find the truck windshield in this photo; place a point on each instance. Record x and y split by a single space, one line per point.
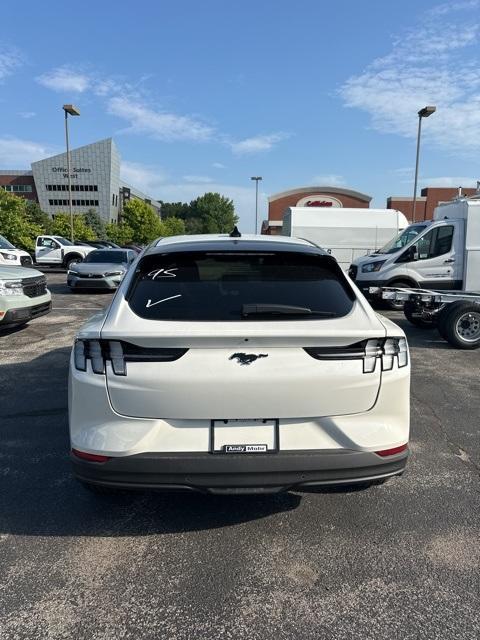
63 241
403 238
5 244
243 286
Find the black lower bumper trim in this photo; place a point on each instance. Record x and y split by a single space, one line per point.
24 314
253 473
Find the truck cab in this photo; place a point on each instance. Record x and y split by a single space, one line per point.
58 251
427 255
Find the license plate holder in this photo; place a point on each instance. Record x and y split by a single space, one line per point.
244 437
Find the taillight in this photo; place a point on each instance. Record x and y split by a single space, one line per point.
391 452
389 350
91 457
119 353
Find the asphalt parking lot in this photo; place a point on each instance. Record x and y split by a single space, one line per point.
400 560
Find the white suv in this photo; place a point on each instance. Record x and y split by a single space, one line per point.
238 364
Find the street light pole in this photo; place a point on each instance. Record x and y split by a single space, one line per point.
73 111
423 113
256 178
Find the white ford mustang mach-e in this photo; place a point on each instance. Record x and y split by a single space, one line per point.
238 364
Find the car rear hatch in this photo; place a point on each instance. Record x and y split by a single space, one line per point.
171 353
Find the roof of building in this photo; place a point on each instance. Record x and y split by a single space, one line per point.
326 189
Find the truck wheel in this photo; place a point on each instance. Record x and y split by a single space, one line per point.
415 318
459 324
69 262
397 305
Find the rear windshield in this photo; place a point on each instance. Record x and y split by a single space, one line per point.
217 286
112 257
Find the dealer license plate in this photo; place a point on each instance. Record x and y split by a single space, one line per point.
244 436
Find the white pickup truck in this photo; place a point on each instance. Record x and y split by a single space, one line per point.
58 251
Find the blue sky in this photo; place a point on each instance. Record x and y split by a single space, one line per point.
199 96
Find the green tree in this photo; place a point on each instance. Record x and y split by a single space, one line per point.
15 225
81 231
214 212
119 233
172 227
175 210
96 224
35 214
142 220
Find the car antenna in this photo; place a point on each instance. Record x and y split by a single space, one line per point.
235 233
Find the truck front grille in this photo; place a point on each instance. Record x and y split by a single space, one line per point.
34 287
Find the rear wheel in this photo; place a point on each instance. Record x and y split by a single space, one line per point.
397 305
415 317
459 324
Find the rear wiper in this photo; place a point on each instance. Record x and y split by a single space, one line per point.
282 309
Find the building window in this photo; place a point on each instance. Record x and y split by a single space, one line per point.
113 199
64 187
18 188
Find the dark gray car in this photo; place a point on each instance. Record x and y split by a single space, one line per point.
101 269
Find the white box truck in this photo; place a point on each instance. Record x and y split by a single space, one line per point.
346 233
435 276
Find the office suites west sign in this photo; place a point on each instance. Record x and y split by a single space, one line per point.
76 171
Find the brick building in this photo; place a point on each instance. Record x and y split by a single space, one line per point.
21 183
429 198
310 197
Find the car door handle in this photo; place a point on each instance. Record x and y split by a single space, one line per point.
449 261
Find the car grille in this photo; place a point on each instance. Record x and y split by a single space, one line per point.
352 272
34 287
25 260
90 275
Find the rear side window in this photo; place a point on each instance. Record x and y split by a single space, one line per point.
221 286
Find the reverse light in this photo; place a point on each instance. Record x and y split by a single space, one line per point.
91 457
373 266
391 452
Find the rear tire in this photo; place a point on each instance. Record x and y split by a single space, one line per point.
397 305
459 325
415 318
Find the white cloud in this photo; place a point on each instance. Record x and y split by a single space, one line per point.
18 154
27 114
218 165
198 179
257 144
449 181
65 80
147 178
430 64
330 180
10 60
160 125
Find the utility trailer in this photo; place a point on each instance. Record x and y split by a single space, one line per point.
456 314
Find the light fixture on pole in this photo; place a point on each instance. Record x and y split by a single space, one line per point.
69 109
256 178
423 113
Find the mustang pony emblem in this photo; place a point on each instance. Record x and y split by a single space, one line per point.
247 358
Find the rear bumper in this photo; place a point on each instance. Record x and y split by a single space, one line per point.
21 315
217 473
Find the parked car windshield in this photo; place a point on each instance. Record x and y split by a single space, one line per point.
111 257
5 244
403 238
220 286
